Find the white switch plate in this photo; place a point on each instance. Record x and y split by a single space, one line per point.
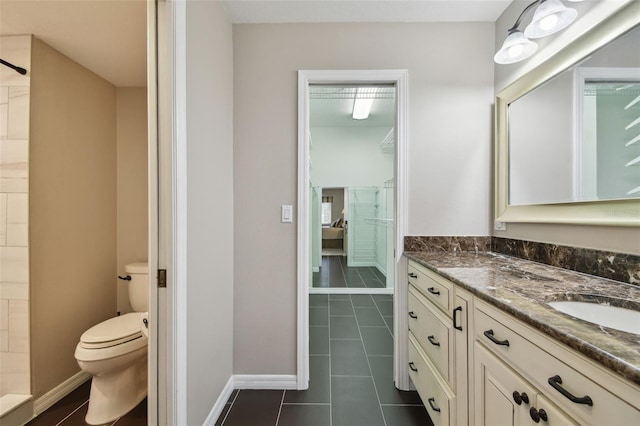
287 214
500 226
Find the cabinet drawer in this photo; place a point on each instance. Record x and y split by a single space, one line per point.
432 285
540 367
438 399
433 331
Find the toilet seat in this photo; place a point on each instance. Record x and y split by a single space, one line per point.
111 338
113 331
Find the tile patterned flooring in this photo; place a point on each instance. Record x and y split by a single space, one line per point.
351 368
351 373
334 272
71 410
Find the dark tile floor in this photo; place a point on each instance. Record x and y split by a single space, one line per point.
351 373
71 410
334 272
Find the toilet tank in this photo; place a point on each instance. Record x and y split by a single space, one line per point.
138 286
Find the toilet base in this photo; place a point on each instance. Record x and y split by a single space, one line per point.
115 394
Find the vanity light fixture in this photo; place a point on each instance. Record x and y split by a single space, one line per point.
550 17
362 103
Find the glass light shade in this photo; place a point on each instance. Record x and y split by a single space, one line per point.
516 47
550 17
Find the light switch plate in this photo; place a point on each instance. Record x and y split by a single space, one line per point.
287 214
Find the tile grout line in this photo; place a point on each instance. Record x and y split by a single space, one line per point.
306 403
375 388
71 413
346 284
380 312
230 408
280 407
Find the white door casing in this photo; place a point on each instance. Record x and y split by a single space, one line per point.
400 79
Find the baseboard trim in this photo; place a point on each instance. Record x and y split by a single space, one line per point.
265 381
56 394
249 381
215 412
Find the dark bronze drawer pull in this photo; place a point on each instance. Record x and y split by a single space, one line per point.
412 275
455 318
489 335
432 290
555 383
412 366
413 315
433 341
432 404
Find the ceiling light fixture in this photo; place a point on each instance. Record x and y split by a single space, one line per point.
550 17
362 103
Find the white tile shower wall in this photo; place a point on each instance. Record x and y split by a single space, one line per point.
14 215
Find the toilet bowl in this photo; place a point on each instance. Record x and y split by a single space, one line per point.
114 352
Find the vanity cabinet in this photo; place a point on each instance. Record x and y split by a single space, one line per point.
475 364
438 344
511 358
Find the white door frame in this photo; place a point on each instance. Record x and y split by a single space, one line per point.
400 79
152 208
171 203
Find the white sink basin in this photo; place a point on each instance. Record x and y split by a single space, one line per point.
605 315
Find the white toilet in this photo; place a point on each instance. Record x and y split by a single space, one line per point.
114 352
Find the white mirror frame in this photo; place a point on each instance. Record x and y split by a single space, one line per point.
610 213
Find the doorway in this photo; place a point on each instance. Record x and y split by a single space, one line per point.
395 81
352 132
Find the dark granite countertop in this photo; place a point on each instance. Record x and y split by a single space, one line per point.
522 288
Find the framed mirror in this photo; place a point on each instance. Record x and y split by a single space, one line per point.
568 132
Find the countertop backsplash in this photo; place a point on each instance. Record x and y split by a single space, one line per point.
605 264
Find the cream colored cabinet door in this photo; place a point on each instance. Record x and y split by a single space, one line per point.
502 397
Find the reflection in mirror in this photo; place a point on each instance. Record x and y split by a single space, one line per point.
577 137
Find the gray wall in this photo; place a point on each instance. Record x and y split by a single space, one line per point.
450 122
210 206
621 239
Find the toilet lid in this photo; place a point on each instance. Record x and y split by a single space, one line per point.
112 332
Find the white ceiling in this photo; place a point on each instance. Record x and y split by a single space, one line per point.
109 36
283 11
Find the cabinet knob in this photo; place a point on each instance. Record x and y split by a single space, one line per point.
537 415
412 366
519 398
412 275
413 315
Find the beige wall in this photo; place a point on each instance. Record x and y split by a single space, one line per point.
14 217
450 108
132 184
210 246
72 211
619 239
